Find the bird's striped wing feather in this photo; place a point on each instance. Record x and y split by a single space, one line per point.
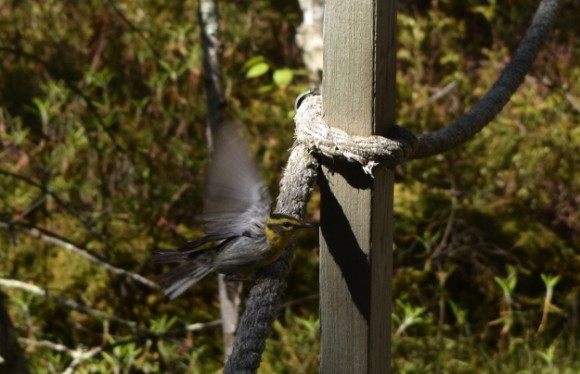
233 186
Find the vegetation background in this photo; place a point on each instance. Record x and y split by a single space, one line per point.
102 155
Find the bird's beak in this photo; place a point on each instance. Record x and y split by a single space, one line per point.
306 225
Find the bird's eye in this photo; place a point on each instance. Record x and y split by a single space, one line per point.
287 225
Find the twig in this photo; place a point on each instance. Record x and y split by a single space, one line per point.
573 101
35 204
443 243
142 332
216 101
290 303
85 222
198 326
45 343
135 29
438 94
78 355
33 289
54 239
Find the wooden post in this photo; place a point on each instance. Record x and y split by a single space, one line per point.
356 210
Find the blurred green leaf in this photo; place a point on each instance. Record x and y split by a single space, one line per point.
283 77
257 70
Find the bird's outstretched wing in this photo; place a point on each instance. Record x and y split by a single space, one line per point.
235 195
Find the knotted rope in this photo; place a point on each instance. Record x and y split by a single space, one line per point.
368 151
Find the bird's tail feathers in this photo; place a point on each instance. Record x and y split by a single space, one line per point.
176 281
163 256
198 263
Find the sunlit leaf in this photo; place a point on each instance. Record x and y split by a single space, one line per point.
283 77
257 70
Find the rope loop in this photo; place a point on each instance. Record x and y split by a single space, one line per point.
368 151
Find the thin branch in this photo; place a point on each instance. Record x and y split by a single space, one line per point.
443 243
198 326
216 102
35 205
46 344
438 94
229 292
79 217
573 101
135 29
309 38
78 355
99 314
301 300
493 102
54 239
69 303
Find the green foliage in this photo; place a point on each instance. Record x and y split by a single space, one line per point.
294 346
102 147
257 66
506 198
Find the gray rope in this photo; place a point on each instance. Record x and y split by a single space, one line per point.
368 151
500 93
264 298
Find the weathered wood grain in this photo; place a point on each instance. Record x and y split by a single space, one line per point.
357 211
